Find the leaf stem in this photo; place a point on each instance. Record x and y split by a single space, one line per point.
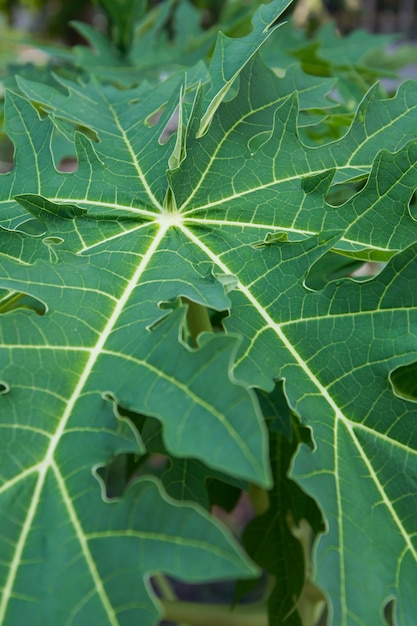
10 302
197 318
259 498
201 614
166 591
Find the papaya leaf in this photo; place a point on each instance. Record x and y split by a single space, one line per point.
201 191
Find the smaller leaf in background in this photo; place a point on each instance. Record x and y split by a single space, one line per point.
99 57
360 56
225 493
269 538
166 39
148 47
356 61
276 411
185 479
122 16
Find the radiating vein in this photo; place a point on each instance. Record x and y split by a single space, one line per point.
135 161
98 583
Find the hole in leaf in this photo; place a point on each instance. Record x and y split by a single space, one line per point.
88 132
316 130
169 129
42 109
17 300
404 381
124 468
368 270
154 117
52 241
256 142
67 164
216 319
389 612
332 266
6 155
4 388
412 205
339 194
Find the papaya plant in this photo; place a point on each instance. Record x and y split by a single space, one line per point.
181 329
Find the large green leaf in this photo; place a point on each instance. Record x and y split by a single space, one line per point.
230 214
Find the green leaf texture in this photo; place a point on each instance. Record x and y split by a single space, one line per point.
232 218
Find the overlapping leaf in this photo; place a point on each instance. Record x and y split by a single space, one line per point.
235 203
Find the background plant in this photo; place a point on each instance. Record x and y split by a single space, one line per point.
184 297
